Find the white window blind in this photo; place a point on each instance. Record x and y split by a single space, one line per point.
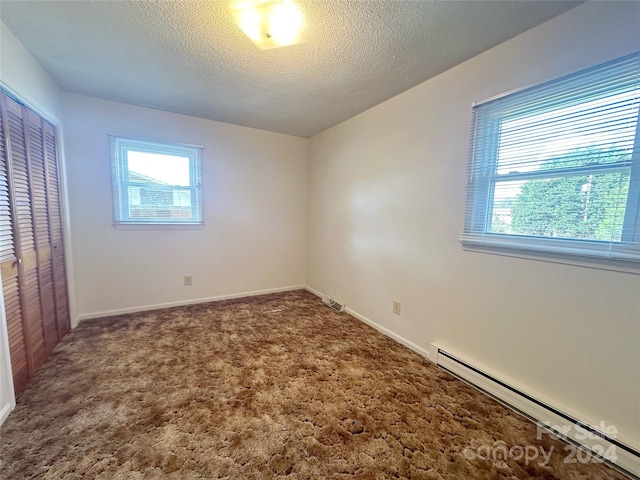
555 169
155 183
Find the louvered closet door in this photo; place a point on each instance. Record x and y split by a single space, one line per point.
55 222
26 246
9 266
39 203
34 280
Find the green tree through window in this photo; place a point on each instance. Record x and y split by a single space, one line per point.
584 206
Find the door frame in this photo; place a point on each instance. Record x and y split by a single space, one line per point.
7 394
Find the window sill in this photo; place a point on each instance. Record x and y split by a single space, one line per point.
564 259
158 226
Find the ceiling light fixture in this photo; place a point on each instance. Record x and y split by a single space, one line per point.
269 24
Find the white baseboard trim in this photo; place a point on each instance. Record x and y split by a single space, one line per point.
5 411
315 292
385 331
180 303
398 338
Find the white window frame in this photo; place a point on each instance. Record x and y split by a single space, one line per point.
120 147
482 176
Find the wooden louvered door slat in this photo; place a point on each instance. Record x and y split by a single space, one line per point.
55 229
40 210
9 267
19 181
31 248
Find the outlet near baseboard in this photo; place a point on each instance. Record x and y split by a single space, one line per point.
188 280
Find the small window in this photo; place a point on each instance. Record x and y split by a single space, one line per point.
554 170
155 183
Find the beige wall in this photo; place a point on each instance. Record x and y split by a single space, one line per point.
386 208
254 189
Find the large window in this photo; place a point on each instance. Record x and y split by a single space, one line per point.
554 170
155 183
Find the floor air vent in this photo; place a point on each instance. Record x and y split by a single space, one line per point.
337 305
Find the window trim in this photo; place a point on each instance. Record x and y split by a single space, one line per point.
558 258
119 146
482 177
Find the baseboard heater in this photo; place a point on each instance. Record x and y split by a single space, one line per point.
600 441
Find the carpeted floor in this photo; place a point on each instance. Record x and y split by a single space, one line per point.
278 386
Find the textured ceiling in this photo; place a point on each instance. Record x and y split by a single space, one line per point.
189 56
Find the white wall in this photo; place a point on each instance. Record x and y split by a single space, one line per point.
254 189
386 208
22 76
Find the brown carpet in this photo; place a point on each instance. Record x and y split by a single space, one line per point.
277 386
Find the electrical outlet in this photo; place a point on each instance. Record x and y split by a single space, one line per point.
188 280
396 307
